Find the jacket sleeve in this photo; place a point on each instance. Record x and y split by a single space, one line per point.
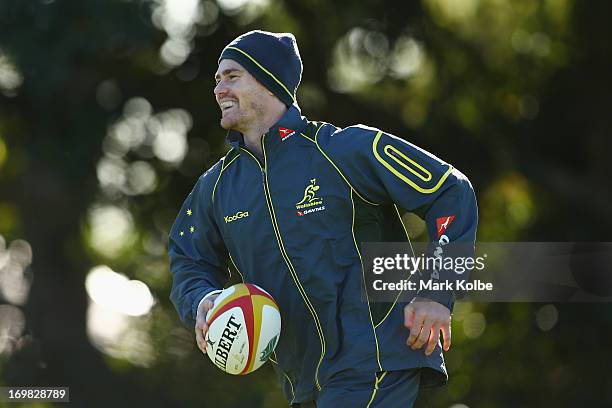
385 169
196 250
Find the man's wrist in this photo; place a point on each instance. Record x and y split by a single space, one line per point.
445 298
209 295
196 303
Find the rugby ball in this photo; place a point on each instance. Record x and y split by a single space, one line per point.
243 329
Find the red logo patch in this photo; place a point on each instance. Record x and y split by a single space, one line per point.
300 213
443 223
284 132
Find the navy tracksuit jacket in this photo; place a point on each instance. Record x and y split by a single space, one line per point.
291 223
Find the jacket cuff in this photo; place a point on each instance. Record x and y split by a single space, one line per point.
444 297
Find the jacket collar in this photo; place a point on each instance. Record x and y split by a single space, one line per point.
291 121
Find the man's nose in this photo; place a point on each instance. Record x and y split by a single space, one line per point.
220 89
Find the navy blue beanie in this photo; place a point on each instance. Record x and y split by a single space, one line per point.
272 58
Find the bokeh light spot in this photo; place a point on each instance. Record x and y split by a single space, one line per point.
115 291
474 325
10 77
12 324
111 229
547 317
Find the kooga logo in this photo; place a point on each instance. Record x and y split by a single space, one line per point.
239 214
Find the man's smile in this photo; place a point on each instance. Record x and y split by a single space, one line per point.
227 105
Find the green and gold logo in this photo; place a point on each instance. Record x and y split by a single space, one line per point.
237 216
269 349
310 196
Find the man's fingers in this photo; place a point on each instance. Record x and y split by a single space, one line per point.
201 327
415 329
433 339
200 340
200 332
409 316
426 319
423 336
204 308
446 335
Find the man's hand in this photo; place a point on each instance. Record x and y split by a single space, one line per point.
425 318
201 327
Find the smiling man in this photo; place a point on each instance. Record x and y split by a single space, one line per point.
311 193
246 105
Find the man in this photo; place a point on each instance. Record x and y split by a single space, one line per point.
288 206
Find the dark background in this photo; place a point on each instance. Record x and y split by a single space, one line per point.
107 117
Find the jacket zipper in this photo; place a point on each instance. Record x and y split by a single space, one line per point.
285 256
275 359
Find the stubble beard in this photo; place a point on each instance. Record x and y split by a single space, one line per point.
241 121
232 120
226 123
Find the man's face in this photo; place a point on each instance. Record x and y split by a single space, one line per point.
241 97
